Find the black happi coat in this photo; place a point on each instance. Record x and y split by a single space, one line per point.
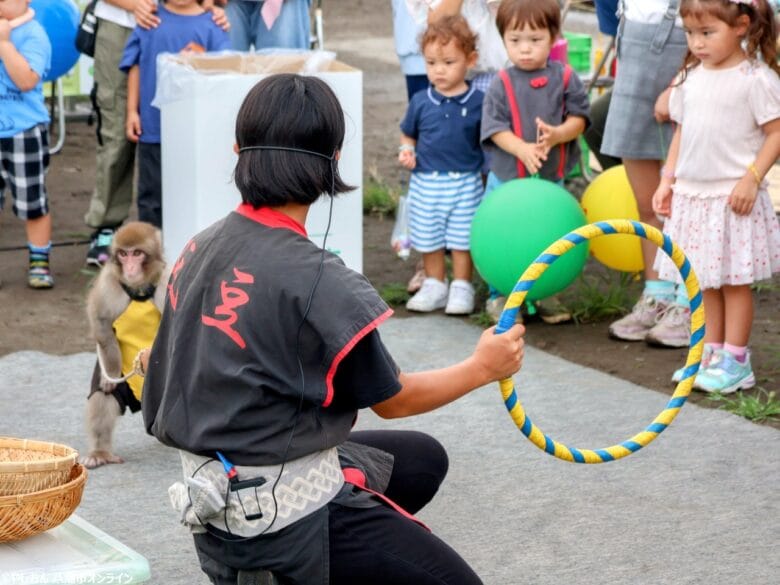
224 371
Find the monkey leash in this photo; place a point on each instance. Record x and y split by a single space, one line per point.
137 369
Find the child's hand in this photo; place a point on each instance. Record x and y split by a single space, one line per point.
145 14
5 30
219 18
133 126
499 356
547 136
531 155
743 196
407 159
662 198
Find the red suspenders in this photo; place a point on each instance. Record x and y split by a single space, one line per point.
517 125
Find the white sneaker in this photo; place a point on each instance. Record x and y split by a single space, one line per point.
431 296
461 298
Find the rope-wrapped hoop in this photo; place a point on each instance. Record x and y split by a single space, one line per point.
683 389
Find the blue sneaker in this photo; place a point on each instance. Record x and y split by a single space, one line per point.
706 357
100 247
725 374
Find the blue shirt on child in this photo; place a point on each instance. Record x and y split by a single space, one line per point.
446 130
173 34
22 110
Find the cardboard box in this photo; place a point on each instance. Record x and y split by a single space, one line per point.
199 97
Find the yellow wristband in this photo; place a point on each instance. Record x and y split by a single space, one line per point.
752 168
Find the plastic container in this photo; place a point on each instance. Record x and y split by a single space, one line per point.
198 158
584 156
560 51
74 552
579 49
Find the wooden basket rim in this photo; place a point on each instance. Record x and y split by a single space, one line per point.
80 473
64 457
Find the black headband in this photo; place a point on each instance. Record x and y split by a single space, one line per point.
289 149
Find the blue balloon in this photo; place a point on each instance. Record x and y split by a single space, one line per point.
60 19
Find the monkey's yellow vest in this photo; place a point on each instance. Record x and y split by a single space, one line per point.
135 329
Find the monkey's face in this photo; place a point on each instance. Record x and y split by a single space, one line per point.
131 261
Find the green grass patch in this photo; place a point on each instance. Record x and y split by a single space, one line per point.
600 296
394 294
759 406
379 198
482 319
764 287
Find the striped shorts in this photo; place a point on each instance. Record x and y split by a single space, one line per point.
441 207
24 159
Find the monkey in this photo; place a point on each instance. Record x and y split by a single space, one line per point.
124 307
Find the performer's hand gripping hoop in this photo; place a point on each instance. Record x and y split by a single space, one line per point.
692 363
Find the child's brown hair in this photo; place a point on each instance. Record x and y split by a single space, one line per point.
515 14
761 36
450 28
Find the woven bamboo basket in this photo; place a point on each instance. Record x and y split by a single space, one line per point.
26 515
30 466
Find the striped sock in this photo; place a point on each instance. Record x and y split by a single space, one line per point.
660 290
39 273
681 297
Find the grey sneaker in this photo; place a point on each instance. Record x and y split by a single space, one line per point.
642 318
672 328
552 311
494 306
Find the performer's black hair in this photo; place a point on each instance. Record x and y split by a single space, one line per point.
294 113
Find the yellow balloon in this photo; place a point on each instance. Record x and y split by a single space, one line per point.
609 196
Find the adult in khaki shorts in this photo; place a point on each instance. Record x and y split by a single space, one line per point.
113 194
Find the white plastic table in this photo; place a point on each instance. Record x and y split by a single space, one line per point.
76 552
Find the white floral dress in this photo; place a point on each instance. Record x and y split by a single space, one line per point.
721 113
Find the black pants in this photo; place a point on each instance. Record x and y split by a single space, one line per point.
595 132
149 184
377 545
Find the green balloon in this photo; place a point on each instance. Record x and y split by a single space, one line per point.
514 224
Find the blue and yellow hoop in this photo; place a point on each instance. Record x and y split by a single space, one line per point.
681 392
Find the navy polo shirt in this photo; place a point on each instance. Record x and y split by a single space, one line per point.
446 130
606 12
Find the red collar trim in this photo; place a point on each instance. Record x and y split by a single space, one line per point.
346 349
269 217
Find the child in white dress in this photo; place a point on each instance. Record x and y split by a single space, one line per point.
726 103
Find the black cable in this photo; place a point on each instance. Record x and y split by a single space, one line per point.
299 408
53 245
298 341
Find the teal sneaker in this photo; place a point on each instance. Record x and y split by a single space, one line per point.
706 357
725 374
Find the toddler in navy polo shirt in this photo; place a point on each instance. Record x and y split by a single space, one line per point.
440 144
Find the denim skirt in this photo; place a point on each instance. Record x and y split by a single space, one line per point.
649 56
